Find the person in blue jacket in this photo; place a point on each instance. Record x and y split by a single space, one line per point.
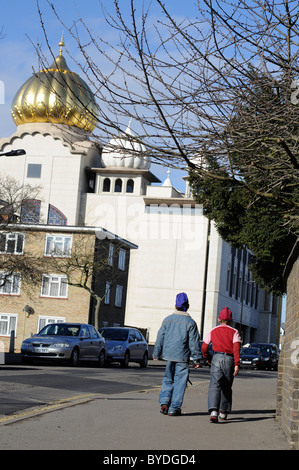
177 340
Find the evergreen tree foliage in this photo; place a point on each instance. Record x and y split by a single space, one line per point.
265 221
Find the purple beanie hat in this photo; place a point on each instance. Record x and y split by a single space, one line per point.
182 301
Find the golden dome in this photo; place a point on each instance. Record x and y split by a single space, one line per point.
55 95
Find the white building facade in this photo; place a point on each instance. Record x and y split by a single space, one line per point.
178 248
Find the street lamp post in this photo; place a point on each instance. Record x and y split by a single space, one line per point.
13 153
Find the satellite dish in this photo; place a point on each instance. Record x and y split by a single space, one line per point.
29 310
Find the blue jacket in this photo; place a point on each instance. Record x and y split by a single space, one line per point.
177 339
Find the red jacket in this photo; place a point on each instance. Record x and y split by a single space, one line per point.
225 339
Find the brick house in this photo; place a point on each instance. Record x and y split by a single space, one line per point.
51 290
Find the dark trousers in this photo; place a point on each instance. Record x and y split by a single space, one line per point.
220 390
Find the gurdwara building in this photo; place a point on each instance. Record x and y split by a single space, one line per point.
110 185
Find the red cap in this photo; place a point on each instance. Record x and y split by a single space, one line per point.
225 314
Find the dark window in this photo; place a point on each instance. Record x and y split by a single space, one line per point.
118 185
106 185
12 243
93 332
138 335
130 186
34 170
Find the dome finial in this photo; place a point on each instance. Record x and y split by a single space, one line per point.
168 181
56 95
61 44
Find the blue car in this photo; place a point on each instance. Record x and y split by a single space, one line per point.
270 354
251 357
125 345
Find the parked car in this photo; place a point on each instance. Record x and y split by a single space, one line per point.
269 352
73 342
125 345
251 357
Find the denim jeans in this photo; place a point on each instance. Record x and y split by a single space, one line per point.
174 384
220 390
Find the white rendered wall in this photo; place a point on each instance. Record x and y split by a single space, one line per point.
170 257
61 176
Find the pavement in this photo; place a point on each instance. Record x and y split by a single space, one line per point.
125 423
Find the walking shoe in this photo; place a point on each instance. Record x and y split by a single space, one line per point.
222 416
164 409
214 417
175 413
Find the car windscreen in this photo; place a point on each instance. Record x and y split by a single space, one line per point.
265 349
60 330
115 334
250 351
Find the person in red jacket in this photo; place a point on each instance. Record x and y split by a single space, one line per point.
225 365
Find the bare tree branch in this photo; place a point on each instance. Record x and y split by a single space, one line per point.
216 85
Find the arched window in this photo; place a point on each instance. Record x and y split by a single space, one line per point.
30 211
55 216
106 185
118 186
130 186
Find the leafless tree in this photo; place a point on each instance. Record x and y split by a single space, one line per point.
16 264
89 266
17 201
219 85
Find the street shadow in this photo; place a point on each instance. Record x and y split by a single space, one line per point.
267 414
242 418
238 412
196 413
6 368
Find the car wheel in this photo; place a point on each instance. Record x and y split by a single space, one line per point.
75 357
101 362
144 362
126 360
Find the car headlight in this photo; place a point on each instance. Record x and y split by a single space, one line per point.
26 344
117 348
60 345
266 358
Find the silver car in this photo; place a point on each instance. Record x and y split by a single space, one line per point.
125 345
73 342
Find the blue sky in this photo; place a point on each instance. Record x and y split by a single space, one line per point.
21 27
21 30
